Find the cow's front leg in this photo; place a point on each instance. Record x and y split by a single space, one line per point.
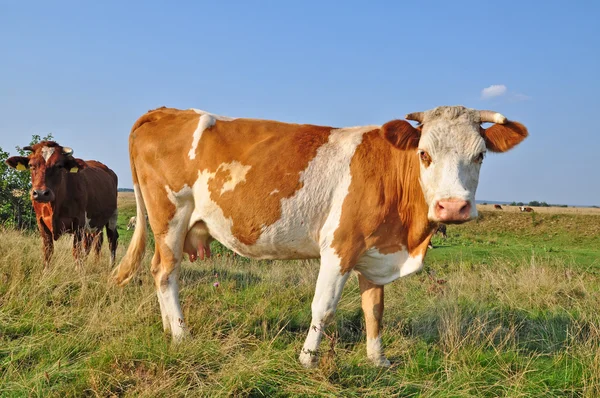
78 251
372 305
327 294
47 249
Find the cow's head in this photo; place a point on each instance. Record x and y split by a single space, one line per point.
450 144
49 164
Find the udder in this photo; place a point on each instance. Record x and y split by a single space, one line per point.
197 242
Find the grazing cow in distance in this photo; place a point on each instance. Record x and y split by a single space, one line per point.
497 207
441 229
364 199
525 209
131 223
70 195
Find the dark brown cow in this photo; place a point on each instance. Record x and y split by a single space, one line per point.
70 195
497 207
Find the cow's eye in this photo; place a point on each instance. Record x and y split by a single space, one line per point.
479 158
425 158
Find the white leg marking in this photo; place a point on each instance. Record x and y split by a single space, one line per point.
171 310
163 313
330 284
375 352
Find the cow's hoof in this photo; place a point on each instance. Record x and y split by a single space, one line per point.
309 360
380 361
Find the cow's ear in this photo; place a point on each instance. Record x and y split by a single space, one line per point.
502 137
74 165
401 134
18 162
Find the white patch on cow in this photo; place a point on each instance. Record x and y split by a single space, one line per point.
204 122
87 227
237 174
273 192
382 269
47 152
375 352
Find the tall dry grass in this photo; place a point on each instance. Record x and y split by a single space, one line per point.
528 328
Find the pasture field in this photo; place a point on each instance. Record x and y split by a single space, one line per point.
508 305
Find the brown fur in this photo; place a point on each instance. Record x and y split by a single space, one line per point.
92 191
502 137
385 207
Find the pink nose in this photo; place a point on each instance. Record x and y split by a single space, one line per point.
453 210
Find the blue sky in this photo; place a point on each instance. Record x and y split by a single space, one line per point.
85 71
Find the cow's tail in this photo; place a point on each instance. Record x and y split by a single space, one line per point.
132 261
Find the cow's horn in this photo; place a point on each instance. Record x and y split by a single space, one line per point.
67 150
416 116
28 148
492 117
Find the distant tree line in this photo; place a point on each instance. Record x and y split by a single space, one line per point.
535 203
16 209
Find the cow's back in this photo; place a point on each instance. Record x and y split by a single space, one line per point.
100 191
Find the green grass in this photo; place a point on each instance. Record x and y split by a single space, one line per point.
506 306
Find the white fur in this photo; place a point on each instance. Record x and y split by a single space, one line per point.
375 352
87 227
168 297
237 174
452 146
204 122
382 269
328 291
47 152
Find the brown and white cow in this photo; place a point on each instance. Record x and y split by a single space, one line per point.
364 199
131 223
70 195
497 207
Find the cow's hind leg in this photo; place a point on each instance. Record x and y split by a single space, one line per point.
372 305
97 243
78 249
155 268
327 295
169 235
112 235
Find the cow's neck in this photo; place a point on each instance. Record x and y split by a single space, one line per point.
405 223
385 208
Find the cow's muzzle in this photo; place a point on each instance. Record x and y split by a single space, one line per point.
453 210
42 195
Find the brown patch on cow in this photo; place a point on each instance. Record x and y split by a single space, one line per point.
502 137
385 207
257 144
160 143
401 134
